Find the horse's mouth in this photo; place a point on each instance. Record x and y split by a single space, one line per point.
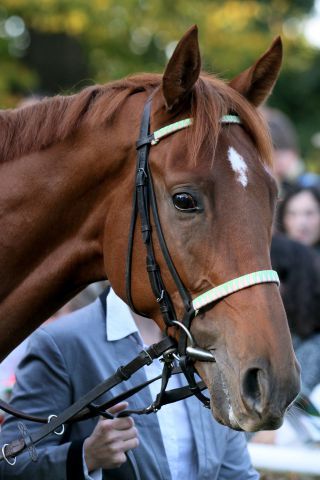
232 413
221 405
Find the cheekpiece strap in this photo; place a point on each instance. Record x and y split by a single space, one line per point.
245 281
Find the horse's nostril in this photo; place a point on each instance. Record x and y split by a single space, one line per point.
253 393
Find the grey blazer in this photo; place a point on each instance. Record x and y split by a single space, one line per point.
68 357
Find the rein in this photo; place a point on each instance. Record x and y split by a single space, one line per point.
186 352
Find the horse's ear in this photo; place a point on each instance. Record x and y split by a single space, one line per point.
183 69
256 82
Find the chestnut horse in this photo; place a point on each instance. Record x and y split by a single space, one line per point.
67 179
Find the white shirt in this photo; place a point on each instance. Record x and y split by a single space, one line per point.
178 442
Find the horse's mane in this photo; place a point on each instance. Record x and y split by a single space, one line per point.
32 128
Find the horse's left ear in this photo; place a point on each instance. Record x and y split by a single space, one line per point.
182 70
256 82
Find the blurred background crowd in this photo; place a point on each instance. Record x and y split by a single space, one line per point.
60 46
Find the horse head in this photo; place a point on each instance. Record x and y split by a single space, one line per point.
216 197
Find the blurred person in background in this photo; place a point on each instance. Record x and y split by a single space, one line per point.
289 168
67 358
298 267
298 216
299 271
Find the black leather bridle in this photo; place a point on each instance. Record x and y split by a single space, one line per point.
145 204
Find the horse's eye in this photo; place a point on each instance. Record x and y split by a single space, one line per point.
184 201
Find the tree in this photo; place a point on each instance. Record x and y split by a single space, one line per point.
101 40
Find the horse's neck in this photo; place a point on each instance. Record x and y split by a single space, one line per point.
52 208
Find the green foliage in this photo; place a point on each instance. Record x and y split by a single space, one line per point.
118 38
287 476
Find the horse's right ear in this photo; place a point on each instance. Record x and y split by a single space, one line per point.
182 70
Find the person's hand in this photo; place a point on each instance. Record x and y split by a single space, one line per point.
106 446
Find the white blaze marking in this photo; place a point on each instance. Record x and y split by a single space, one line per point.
238 165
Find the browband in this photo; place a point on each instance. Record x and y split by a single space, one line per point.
187 122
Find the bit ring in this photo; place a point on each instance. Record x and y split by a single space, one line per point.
4 455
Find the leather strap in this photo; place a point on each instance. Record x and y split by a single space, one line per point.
143 198
122 374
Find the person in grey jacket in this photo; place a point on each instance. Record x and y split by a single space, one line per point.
67 358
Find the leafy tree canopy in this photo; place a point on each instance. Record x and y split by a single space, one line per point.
61 45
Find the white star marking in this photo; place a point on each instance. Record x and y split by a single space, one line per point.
238 165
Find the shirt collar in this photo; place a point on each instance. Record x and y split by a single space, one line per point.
120 322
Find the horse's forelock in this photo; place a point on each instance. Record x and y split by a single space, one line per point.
213 98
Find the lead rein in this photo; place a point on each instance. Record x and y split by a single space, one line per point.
84 408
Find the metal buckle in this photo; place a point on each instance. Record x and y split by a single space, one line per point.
62 426
151 409
148 357
4 455
159 299
169 356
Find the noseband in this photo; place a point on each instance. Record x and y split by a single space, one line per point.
144 203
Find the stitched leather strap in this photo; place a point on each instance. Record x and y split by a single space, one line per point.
123 373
